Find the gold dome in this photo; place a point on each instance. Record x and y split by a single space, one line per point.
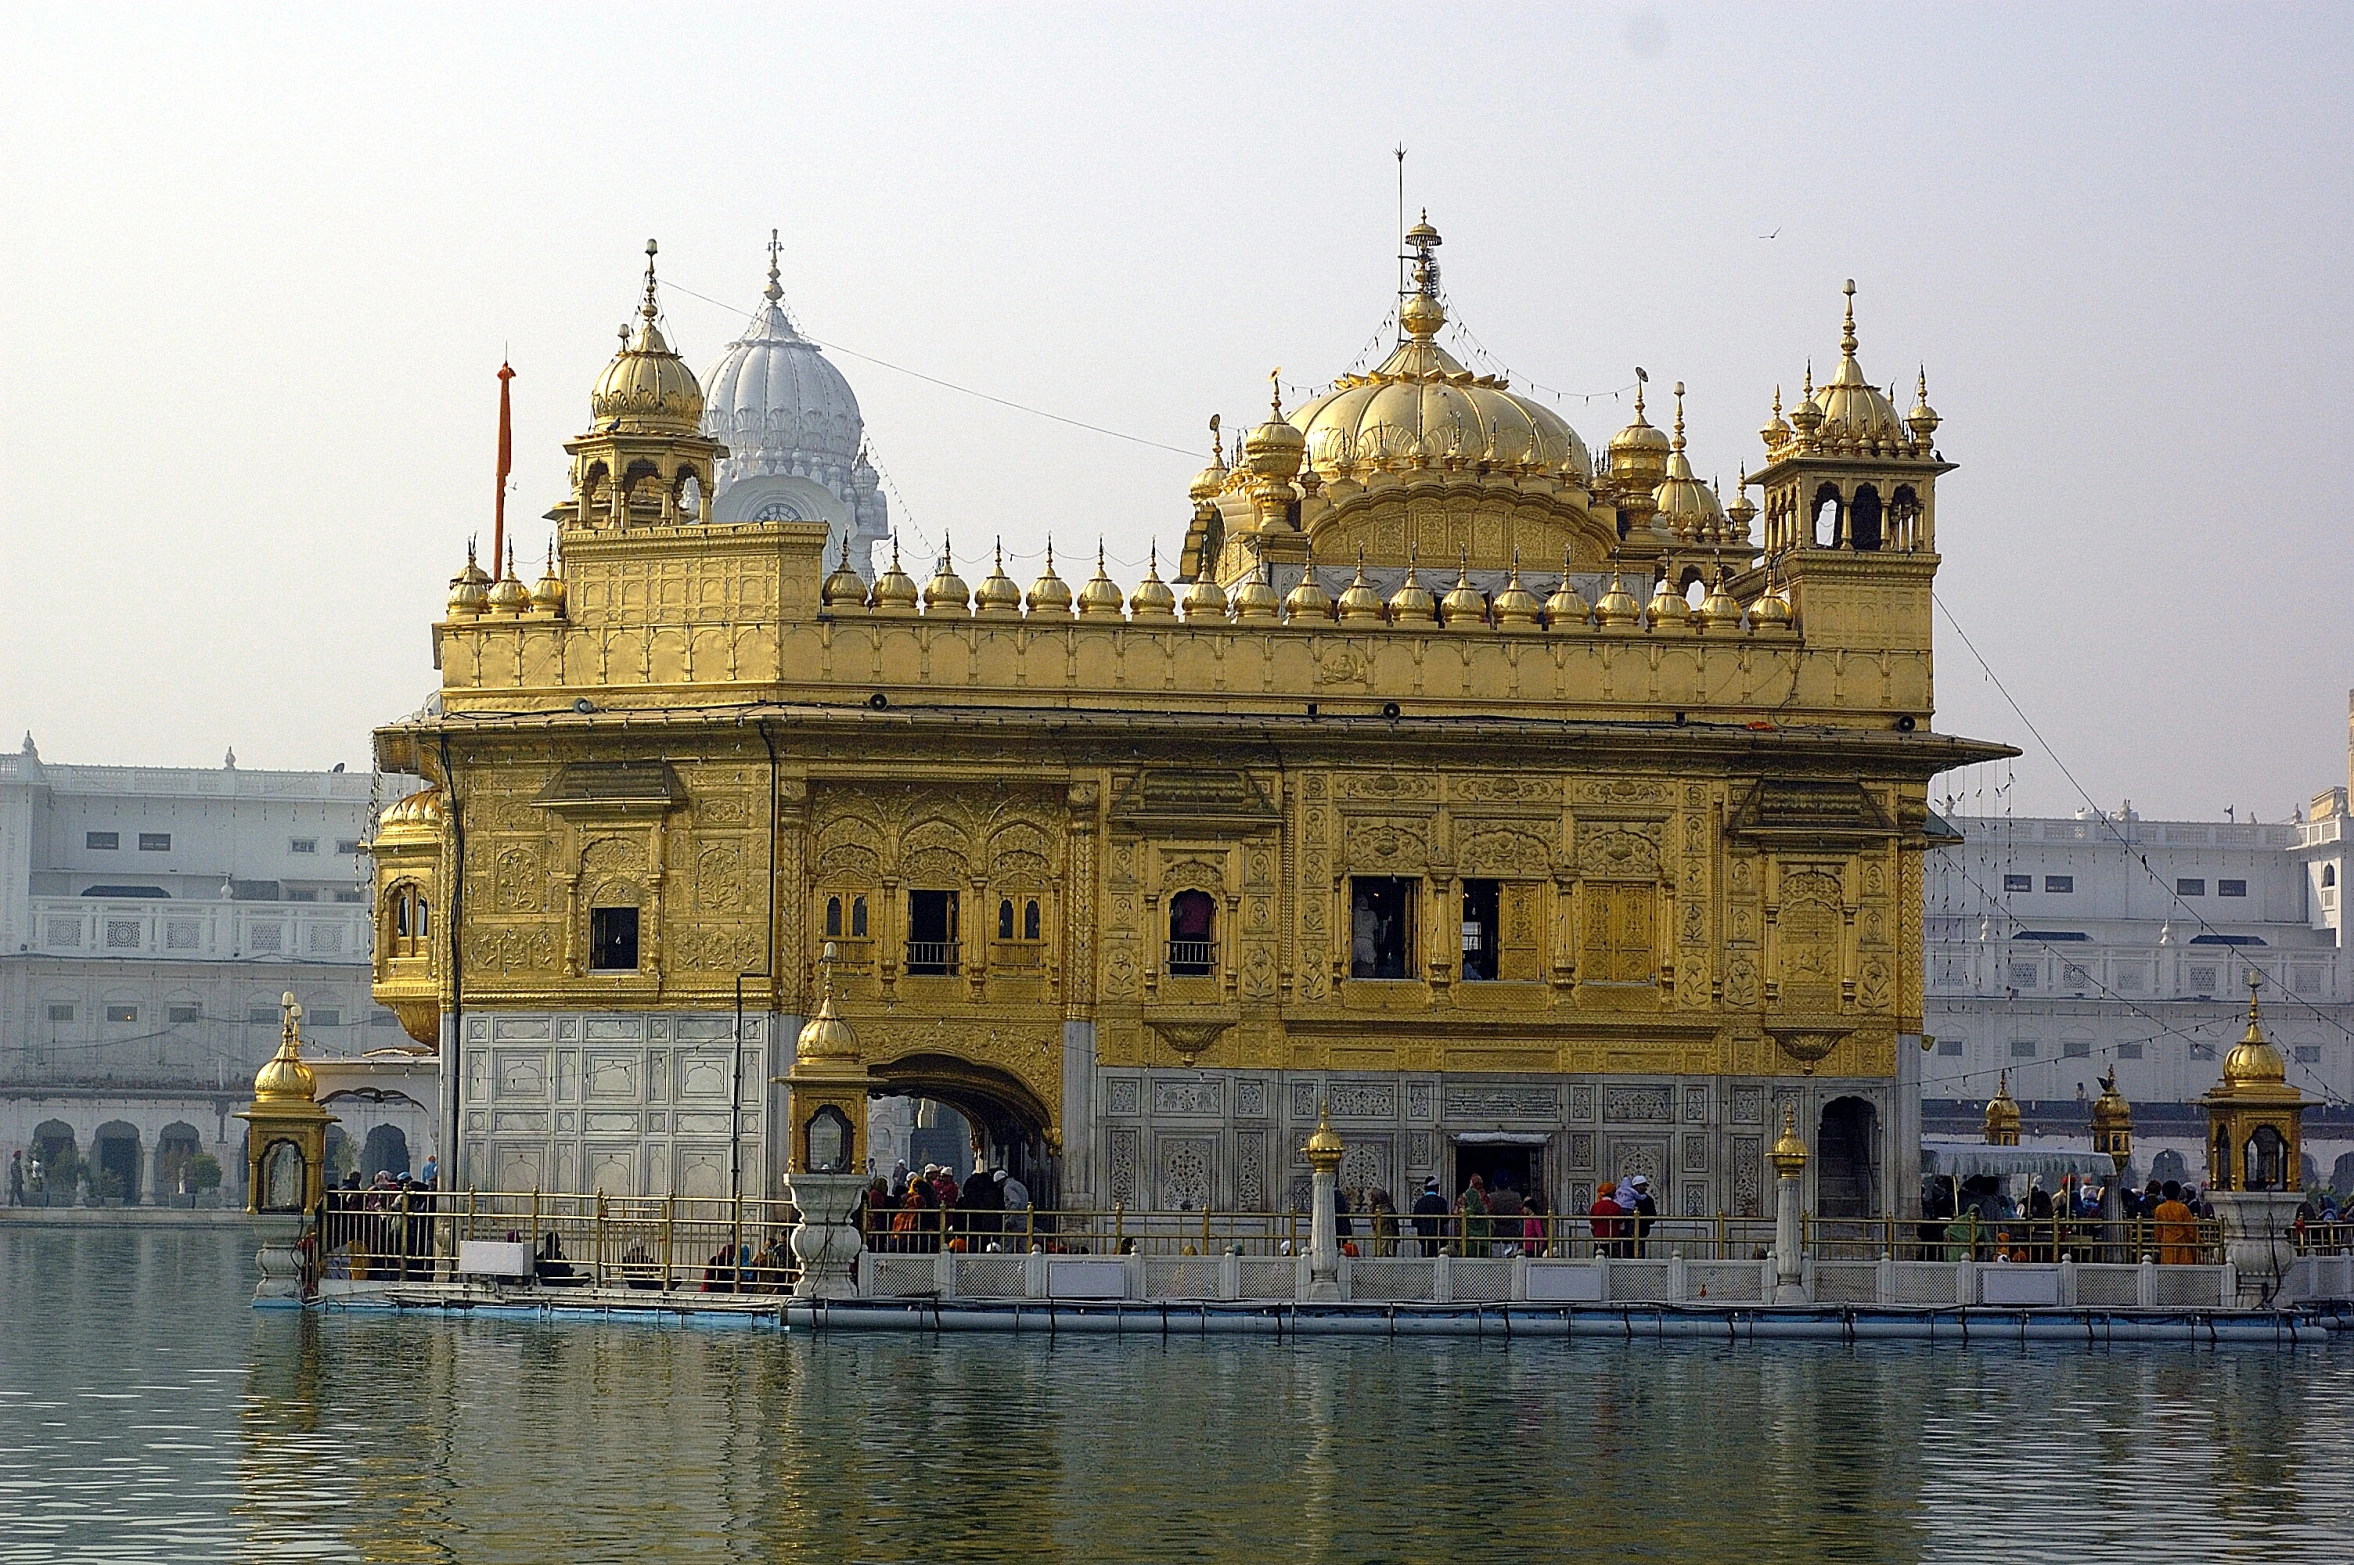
1211 479
1566 608
647 389
825 1038
2254 1061
997 597
845 589
1776 430
284 1078
1412 603
413 818
1323 1147
1049 594
1789 1152
469 589
1101 597
1465 607
1720 610
894 591
1618 609
1688 510
1274 448
1923 419
2112 1116
2002 1115
1849 408
1667 608
1359 603
548 596
1741 512
1307 601
1771 611
510 596
1515 607
1638 453
1204 600
1256 599
946 592
1152 601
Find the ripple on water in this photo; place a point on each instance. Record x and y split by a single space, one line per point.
146 1414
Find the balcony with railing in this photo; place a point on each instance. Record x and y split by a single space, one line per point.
932 958
1192 958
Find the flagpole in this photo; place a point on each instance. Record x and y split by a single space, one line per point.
498 534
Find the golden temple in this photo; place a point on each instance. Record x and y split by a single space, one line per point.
1423 795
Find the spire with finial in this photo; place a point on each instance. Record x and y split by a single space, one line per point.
1679 440
775 289
1847 343
650 307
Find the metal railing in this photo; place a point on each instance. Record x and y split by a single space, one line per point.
1192 958
931 957
662 1243
2085 1240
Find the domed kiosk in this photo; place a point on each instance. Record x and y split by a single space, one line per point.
795 441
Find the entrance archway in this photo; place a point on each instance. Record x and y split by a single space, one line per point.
386 1151
1845 1185
115 1152
1004 1114
176 1145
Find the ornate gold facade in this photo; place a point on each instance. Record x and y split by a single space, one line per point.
1350 804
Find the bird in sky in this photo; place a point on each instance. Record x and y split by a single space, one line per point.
1776 234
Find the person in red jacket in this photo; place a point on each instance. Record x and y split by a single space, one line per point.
1604 1217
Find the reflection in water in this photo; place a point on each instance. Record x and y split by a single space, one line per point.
146 1414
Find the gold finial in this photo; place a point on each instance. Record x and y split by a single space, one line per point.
1217 452
775 290
1679 415
1640 378
1789 1154
1806 392
1847 329
1323 1147
647 309
1275 392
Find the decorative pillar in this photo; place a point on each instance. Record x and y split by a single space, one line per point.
825 1115
1789 1156
1323 1151
2002 1115
285 1159
2112 1135
2255 1156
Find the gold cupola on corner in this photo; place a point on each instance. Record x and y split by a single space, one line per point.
285 1129
1153 603
2255 1119
643 458
998 597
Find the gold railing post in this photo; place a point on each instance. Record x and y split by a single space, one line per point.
597 1242
669 1227
1119 1225
1205 1228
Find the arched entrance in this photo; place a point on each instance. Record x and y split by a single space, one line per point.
1002 1114
114 1151
386 1151
1845 1179
176 1146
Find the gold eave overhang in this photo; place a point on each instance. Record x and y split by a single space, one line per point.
1548 1030
1174 799
1808 811
588 788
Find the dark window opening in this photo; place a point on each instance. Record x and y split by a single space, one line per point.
833 916
104 841
2018 883
2231 888
1193 935
155 842
1479 929
2329 874
858 918
1030 920
1826 500
2190 888
2059 883
127 891
1005 920
931 932
613 939
1381 926
1863 521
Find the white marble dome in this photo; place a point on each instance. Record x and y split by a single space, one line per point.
795 441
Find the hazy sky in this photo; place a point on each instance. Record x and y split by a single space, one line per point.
259 268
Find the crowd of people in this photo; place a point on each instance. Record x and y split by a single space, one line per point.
929 1210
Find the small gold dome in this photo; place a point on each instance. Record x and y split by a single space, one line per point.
1255 599
1211 479
1274 448
1771 611
946 592
894 590
2254 1060
1922 420
413 818
1307 602
1101 597
1465 607
1412 603
1789 1152
1049 594
548 596
1720 610
1741 512
2002 1115
1848 407
845 589
1204 600
825 1036
997 597
1566 608
1618 609
1776 429
1688 509
2111 1114
510 596
1323 1147
647 389
1359 603
1638 453
1516 607
469 589
1152 602
1667 609
284 1078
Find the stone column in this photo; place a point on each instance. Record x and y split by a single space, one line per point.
279 1260
2256 1237
1323 1150
1789 1157
825 1243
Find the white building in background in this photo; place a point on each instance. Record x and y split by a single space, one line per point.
150 920
2057 948
796 446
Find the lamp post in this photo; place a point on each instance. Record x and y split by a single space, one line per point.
1323 1150
2112 1135
285 1158
826 1122
1789 1158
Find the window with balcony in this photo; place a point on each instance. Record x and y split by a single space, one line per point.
931 933
613 939
1381 926
1193 935
412 917
155 842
